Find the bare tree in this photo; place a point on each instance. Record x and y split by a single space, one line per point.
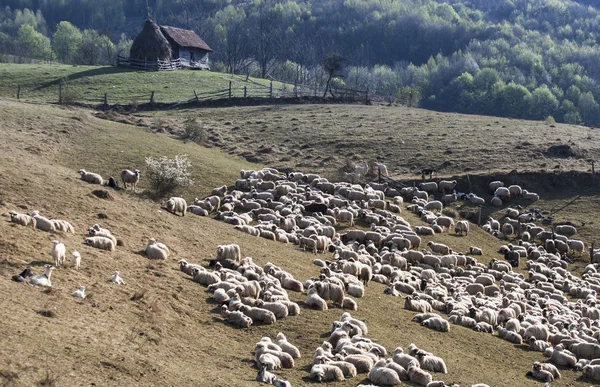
333 64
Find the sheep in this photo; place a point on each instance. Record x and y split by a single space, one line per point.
176 204
362 363
102 233
131 178
197 210
540 332
117 279
462 226
258 314
591 372
484 327
76 258
326 373
236 318
101 243
278 309
90 177
547 367
496 201
79 293
494 185
431 363
381 375
541 375
22 219
419 376
63 226
447 185
417 305
515 191
229 252
314 300
530 196
42 223
510 336
562 358
475 250
576 245
586 350
349 303
347 317
565 229
204 277
156 250
438 248
43 279
58 253
269 361
437 324
538 345
285 345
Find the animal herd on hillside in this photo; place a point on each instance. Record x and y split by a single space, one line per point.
550 310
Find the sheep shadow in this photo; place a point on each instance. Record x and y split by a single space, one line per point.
40 263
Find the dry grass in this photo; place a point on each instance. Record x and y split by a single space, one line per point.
160 328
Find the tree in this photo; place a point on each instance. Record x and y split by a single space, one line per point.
590 111
89 50
32 43
333 65
108 51
66 41
542 103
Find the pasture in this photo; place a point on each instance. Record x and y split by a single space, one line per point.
161 328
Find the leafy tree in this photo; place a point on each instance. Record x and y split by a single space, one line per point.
66 41
89 50
542 103
32 43
590 111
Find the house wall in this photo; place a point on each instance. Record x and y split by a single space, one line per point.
184 53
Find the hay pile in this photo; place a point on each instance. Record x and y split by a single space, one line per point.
150 44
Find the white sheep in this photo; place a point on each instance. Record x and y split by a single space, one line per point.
563 358
76 258
42 222
129 177
576 245
258 314
381 375
90 177
229 252
494 185
326 373
176 204
447 185
431 363
419 376
530 196
313 299
592 372
548 367
117 279
58 252
101 243
22 219
437 324
79 293
285 345
43 279
156 250
462 226
236 318
63 226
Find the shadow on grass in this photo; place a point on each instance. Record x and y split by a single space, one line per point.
87 73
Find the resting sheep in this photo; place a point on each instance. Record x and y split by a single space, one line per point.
42 223
314 300
326 373
129 177
43 279
176 204
156 250
101 243
236 318
592 372
431 363
285 345
22 219
90 177
437 324
383 376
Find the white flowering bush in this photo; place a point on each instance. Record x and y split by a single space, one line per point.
167 175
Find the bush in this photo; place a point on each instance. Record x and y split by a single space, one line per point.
194 131
166 175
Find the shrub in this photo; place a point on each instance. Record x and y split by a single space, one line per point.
450 212
167 175
193 130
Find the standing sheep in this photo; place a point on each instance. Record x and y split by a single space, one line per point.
129 177
462 226
76 257
90 177
58 253
176 204
229 252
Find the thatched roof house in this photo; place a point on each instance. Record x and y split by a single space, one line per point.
167 43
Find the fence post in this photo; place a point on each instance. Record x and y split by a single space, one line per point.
315 89
271 90
152 98
18 91
479 217
593 172
296 88
60 93
105 100
245 91
367 96
229 89
379 175
196 95
592 253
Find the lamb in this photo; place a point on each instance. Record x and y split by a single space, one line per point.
419 376
76 257
117 279
462 226
101 243
229 252
79 293
592 372
131 178
156 250
326 373
42 223
236 318
381 375
437 324
43 279
431 363
58 253
176 204
22 219
90 177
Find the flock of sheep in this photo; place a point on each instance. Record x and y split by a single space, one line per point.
303 209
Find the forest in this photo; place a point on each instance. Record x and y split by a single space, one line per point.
532 59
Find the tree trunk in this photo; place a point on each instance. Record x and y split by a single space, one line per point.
328 87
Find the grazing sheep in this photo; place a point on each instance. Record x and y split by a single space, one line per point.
229 252
131 178
419 376
76 258
326 373
437 324
176 204
43 279
101 243
79 293
383 376
43 223
156 250
462 226
591 372
90 177
117 279
58 252
22 219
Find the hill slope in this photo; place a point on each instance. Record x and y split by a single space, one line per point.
170 334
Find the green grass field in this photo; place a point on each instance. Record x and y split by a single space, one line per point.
87 84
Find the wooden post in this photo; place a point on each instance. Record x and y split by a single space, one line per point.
367 96
60 93
593 172
379 175
592 253
105 100
479 217
469 182
152 98
229 89
315 89
296 89
196 95
245 91
18 91
271 90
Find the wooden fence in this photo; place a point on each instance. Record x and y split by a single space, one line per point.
174 64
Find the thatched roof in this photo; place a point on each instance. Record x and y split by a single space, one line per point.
184 38
150 44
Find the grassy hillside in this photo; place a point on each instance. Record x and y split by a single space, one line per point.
87 84
171 333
